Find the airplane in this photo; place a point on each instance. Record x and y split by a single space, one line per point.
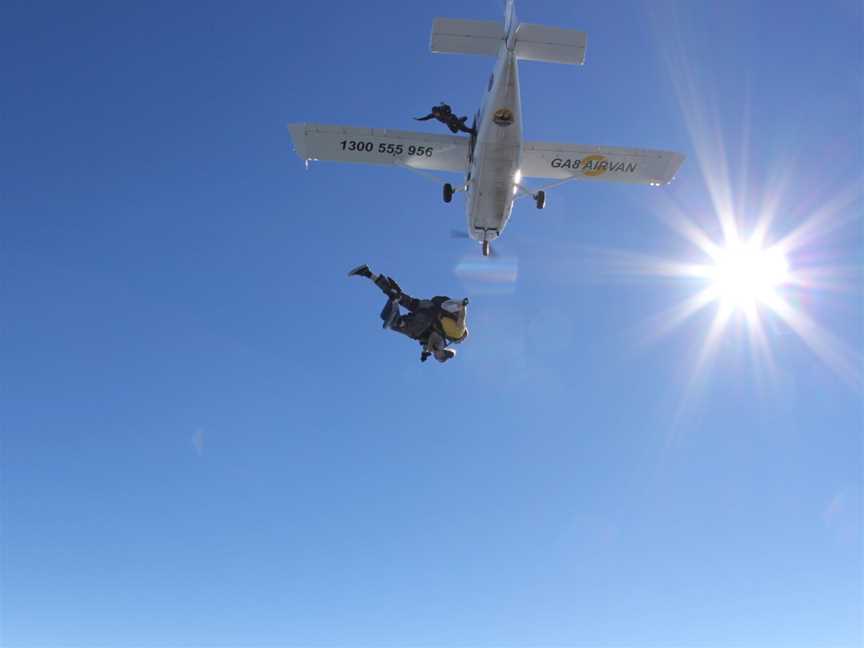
494 158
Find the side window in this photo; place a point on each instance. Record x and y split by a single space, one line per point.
491 81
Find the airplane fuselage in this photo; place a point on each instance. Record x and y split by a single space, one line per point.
493 172
496 155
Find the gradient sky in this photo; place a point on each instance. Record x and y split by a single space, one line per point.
208 440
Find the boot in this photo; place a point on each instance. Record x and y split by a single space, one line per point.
361 271
444 355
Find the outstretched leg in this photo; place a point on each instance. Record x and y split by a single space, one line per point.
387 284
465 128
390 314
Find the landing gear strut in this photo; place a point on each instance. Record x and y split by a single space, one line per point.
487 248
540 199
448 192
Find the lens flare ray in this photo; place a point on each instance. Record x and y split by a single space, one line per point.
747 280
742 262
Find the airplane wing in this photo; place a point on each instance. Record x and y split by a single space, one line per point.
380 146
608 163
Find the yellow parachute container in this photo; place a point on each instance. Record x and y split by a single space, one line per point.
453 329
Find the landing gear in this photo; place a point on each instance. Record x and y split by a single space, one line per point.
540 199
448 192
487 248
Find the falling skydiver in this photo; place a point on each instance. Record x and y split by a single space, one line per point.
435 323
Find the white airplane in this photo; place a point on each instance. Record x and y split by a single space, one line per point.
495 159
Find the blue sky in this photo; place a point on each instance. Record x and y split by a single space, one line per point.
209 441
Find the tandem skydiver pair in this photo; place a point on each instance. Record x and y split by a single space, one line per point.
435 323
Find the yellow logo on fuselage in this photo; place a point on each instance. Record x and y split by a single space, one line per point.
503 117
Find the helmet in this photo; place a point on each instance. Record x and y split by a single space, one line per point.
455 306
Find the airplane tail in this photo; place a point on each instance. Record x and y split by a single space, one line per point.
528 42
450 36
550 44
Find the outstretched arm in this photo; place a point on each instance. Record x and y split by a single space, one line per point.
426 118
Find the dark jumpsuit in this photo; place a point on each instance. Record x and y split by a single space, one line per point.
423 317
444 114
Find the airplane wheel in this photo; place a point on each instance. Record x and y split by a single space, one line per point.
448 192
540 199
487 248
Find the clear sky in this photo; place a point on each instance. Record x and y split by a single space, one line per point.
208 440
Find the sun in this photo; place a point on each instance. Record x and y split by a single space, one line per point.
745 275
754 281
762 254
751 280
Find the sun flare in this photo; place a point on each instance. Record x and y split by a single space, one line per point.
745 275
764 257
751 281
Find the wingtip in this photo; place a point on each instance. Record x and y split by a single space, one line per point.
297 130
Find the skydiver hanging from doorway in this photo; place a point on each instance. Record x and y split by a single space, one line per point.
435 323
444 114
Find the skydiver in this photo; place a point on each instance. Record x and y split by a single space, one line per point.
444 114
435 323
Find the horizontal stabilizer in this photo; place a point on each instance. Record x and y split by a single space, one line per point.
550 44
380 146
466 36
606 163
